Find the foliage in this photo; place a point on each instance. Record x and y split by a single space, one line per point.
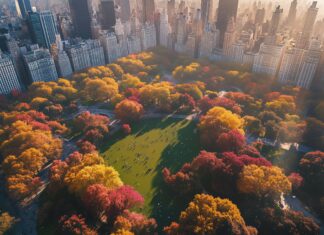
129 111
217 121
263 181
209 215
6 222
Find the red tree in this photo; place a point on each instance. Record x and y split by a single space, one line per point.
126 129
230 141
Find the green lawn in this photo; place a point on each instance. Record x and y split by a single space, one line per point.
141 156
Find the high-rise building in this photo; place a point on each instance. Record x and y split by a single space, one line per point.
44 28
124 12
111 47
209 41
268 59
303 41
227 9
292 13
63 64
85 54
190 46
275 21
164 29
148 11
259 16
40 66
237 52
133 44
107 14
148 37
79 56
181 33
81 12
206 12
171 12
229 38
299 66
96 52
9 80
24 7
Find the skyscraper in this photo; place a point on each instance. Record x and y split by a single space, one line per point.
259 16
81 12
171 12
107 14
303 41
40 65
9 80
164 29
148 11
226 10
275 20
124 10
206 11
44 28
292 13
24 7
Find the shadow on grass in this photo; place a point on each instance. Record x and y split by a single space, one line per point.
166 206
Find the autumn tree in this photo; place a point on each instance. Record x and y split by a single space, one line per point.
127 129
6 222
106 204
232 141
78 182
217 121
75 225
263 181
94 126
130 81
282 222
134 223
99 90
129 111
209 215
187 73
311 168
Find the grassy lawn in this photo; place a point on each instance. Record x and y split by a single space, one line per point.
141 156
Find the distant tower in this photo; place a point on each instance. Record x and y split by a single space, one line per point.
303 41
125 10
226 10
259 16
206 11
107 14
171 12
24 7
44 28
229 38
276 16
148 11
292 13
81 12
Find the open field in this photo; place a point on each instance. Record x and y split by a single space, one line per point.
141 156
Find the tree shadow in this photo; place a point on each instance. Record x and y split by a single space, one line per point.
166 207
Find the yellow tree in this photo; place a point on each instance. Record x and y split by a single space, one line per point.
217 121
78 182
99 90
130 81
129 110
209 215
263 181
